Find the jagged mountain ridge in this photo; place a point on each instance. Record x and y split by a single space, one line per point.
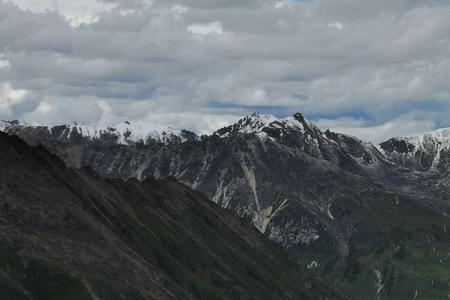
426 163
69 234
318 194
429 152
292 132
126 133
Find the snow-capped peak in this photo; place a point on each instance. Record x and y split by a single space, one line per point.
4 125
143 132
442 136
135 132
124 133
423 152
439 139
257 123
299 121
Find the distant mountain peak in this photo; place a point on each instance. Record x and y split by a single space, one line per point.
429 151
9 123
257 123
299 117
439 139
254 122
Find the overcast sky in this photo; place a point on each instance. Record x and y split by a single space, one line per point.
374 69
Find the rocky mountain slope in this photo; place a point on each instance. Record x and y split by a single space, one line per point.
69 234
430 152
425 166
346 209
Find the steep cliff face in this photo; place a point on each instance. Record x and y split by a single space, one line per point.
71 235
341 206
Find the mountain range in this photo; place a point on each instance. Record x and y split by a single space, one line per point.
71 235
371 218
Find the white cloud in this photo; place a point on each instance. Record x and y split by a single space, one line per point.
281 4
226 57
336 25
9 97
79 7
178 10
402 126
4 64
204 123
76 21
43 108
75 12
199 122
205 28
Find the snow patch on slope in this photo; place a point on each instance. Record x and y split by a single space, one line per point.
6 125
439 139
126 133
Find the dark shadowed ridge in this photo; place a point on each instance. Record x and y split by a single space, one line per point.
69 234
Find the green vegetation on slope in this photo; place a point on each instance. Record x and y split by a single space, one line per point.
397 254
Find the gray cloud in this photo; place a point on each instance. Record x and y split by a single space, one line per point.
166 61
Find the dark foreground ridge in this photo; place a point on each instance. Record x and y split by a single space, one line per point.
68 234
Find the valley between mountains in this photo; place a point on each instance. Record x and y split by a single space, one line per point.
371 219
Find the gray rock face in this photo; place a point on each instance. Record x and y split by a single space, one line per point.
303 188
430 152
425 162
286 176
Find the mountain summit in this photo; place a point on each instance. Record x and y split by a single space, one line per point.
263 124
